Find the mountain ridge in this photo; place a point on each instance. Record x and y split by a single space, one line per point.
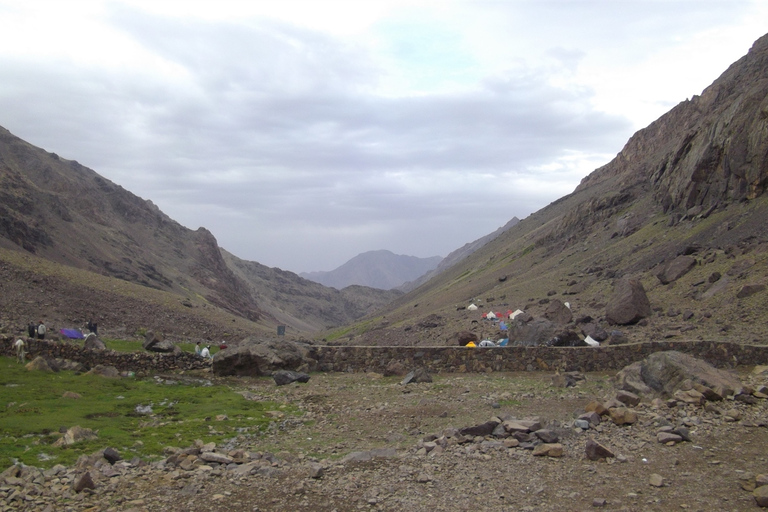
691 183
58 210
381 269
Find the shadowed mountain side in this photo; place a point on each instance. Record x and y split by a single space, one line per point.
34 289
691 184
303 304
59 210
377 269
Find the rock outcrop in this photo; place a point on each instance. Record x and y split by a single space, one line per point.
258 356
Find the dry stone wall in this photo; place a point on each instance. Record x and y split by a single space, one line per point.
434 359
585 359
146 362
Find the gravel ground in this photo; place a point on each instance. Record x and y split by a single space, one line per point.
321 459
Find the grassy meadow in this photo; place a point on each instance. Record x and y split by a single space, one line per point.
137 417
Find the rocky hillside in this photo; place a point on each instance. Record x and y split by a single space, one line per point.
459 254
66 213
304 304
377 269
681 209
77 228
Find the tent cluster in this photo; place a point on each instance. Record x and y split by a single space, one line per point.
496 315
531 328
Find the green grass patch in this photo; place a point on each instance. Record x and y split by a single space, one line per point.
138 417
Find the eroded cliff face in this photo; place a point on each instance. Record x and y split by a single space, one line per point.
706 151
67 213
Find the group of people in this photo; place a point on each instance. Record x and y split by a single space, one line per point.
36 331
204 352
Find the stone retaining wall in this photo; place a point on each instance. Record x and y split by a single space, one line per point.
435 359
585 359
146 362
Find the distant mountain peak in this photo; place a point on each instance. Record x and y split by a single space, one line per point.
380 268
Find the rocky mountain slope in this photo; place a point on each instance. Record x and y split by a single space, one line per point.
304 304
691 184
65 220
377 269
459 254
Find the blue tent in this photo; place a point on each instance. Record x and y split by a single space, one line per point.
72 334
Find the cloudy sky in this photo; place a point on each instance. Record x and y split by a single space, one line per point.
302 133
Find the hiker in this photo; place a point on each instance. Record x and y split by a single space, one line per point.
92 327
206 353
20 354
198 349
31 329
41 330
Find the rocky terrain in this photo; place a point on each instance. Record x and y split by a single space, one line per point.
689 185
460 442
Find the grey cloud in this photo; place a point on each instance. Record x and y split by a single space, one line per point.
276 139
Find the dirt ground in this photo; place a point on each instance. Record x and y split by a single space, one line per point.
340 414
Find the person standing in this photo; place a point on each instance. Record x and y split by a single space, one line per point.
31 329
198 349
41 330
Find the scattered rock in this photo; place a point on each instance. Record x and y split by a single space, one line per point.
548 450
74 435
749 289
596 451
284 377
416 376
676 269
84 481
761 496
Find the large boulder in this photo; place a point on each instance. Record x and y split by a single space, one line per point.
92 342
535 332
558 313
676 269
465 337
673 373
593 330
155 342
629 304
566 338
667 372
257 357
630 379
42 364
284 377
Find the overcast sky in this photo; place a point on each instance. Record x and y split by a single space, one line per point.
302 133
